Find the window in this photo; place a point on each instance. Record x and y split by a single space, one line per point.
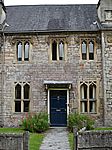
87 49
19 51
84 50
26 51
18 91
23 51
22 97
83 98
54 50
88 97
58 50
61 50
108 14
91 50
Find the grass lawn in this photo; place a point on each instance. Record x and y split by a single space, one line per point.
35 139
71 140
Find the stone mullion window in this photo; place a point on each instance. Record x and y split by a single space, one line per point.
22 97
58 50
88 97
22 52
87 49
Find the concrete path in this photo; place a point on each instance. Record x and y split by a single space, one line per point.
56 139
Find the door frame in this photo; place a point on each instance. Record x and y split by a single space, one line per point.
48 101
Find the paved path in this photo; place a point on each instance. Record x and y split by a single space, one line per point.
56 139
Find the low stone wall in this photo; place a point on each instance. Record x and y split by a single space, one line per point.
93 140
14 141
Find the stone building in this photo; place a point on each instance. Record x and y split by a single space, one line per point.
58 59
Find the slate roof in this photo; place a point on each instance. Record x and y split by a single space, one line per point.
49 18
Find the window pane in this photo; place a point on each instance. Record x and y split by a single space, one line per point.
84 106
26 106
54 51
18 91
84 91
19 51
91 50
92 106
17 106
108 14
92 91
61 51
26 91
26 51
84 50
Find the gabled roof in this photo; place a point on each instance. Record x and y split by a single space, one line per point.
49 18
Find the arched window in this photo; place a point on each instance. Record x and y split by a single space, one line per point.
19 51
26 51
92 91
26 91
91 50
84 50
88 97
18 98
18 91
83 98
84 91
61 50
92 97
22 97
54 50
26 98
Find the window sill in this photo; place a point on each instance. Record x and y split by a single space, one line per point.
93 113
21 62
20 113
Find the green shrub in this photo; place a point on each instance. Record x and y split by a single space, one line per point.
35 122
79 121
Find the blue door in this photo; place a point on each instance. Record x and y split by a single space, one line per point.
58 108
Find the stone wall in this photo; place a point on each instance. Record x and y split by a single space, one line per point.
107 75
40 69
94 140
12 141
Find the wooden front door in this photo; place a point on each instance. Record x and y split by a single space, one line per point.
58 108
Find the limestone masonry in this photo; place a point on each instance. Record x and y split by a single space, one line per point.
56 48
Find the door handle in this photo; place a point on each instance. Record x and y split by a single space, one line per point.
58 110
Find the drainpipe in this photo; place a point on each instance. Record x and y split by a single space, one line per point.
2 78
104 76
